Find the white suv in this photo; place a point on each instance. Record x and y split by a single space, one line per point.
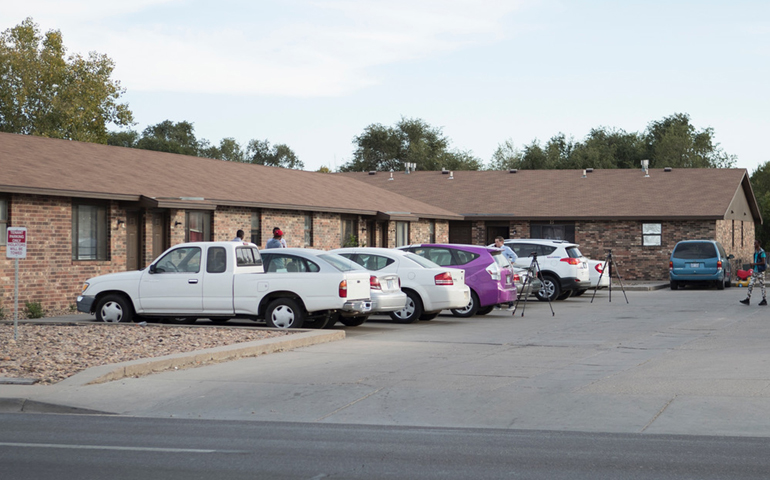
564 268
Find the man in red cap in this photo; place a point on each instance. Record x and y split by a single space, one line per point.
277 240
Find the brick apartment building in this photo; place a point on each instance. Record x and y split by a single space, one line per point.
93 209
639 215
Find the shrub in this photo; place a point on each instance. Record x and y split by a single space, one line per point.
34 310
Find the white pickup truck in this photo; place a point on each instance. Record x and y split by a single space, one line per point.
223 280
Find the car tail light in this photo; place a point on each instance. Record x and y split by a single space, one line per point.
516 278
444 279
719 264
599 267
374 283
670 265
343 289
571 261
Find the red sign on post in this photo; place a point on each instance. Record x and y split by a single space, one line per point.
17 243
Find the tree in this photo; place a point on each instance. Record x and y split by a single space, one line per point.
609 148
43 93
171 137
409 141
229 150
760 182
506 157
674 142
280 155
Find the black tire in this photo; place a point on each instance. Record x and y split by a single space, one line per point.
319 322
485 310
674 285
470 310
354 321
565 295
332 320
428 316
284 313
550 289
577 293
729 282
114 309
721 284
219 321
181 320
411 312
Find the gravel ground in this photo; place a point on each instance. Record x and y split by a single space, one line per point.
52 352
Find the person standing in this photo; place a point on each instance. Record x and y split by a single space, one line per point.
760 265
239 236
510 255
283 240
275 242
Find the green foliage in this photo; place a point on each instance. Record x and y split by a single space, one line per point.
43 93
324 169
34 310
261 153
670 142
760 182
411 140
352 241
170 137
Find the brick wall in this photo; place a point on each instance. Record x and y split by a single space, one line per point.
226 221
49 275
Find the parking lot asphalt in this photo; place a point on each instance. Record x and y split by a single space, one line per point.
692 362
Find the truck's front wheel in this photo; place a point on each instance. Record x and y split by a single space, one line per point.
114 309
285 313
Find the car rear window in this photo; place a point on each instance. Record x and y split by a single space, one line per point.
500 259
464 257
342 264
247 257
573 252
693 250
526 249
423 262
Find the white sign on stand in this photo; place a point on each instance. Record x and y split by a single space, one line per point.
16 247
17 242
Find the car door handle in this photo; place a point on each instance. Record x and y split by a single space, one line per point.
192 280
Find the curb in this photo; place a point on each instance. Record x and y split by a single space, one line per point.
177 361
646 287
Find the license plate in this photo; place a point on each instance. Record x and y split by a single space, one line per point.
390 284
695 265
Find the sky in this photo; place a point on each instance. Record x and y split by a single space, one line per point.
313 74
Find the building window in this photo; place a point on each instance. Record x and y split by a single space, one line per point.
256 231
432 231
651 234
3 220
733 234
198 227
349 231
308 229
89 232
553 231
402 234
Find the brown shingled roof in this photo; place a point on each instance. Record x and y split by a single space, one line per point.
565 194
38 165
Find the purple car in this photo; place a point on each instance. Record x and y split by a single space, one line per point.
487 272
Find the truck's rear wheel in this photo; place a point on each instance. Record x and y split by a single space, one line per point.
114 309
284 313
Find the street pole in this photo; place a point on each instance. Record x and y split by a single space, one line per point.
16 303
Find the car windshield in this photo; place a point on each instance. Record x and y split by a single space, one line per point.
421 261
690 251
341 263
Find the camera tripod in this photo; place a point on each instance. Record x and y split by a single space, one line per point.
532 271
609 262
